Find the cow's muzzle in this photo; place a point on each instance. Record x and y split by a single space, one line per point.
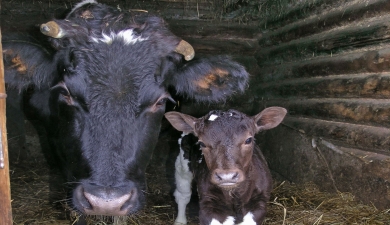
109 201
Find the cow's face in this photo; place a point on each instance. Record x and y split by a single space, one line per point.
103 94
109 106
227 140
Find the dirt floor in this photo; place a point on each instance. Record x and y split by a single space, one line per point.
34 201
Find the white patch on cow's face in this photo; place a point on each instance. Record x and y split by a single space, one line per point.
229 221
248 220
126 36
80 4
213 117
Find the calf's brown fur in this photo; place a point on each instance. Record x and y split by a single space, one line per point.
233 180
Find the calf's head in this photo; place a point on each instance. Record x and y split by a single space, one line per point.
102 93
226 139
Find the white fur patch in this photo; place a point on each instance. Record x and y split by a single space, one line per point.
126 36
248 220
229 221
213 117
183 178
80 4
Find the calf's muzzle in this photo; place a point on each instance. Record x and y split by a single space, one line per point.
227 178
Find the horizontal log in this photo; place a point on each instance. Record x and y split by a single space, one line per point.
217 37
359 111
278 16
350 37
373 61
348 13
370 138
229 47
375 86
222 30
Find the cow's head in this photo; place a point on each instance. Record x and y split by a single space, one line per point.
226 139
102 94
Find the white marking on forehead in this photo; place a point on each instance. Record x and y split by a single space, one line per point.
213 117
80 4
229 221
126 36
248 220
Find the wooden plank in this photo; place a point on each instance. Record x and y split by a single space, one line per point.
280 16
229 47
5 191
356 110
350 37
376 60
213 29
345 14
217 37
365 137
375 86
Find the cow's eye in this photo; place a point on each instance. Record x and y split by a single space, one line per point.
161 102
201 144
61 89
249 141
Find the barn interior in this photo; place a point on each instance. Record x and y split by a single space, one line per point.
326 61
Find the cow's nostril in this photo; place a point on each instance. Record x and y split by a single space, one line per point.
106 206
235 176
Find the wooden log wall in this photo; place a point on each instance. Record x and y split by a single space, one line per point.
330 67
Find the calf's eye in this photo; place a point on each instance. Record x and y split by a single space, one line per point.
248 141
201 144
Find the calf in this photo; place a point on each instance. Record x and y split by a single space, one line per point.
233 180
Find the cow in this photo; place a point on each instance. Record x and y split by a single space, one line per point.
99 83
231 174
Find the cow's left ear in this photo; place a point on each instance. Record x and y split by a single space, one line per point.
269 118
181 122
211 79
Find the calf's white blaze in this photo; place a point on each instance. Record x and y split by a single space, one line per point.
213 117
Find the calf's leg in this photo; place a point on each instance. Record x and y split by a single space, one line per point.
183 178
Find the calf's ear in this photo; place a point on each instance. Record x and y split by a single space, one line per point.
181 122
269 118
209 79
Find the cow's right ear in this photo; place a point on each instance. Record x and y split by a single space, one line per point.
181 122
26 63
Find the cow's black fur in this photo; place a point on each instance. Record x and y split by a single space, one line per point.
102 103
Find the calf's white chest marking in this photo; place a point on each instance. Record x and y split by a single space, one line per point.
248 220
